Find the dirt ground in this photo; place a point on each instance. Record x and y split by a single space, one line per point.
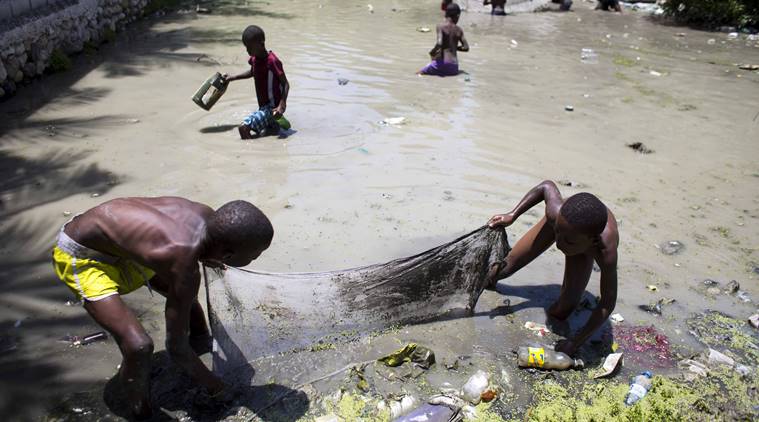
343 190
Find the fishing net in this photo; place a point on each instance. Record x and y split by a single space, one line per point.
255 314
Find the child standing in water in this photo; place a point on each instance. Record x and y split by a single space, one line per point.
450 39
271 85
498 7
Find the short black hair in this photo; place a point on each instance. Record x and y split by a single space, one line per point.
585 212
240 224
452 10
253 33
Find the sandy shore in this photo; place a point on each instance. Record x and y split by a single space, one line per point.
343 190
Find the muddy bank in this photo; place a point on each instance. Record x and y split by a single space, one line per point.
344 191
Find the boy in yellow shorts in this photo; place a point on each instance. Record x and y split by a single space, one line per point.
123 244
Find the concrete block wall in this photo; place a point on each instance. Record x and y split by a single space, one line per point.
26 48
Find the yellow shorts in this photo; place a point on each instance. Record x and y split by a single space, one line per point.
93 280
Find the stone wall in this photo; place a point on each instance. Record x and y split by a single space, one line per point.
27 45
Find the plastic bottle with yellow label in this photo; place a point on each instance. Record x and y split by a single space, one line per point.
545 358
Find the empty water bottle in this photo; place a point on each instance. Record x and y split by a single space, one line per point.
638 388
587 55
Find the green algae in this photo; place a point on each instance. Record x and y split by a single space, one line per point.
718 330
354 407
722 395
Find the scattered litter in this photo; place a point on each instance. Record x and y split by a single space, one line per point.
488 395
655 73
718 358
362 150
72 303
640 147
370 8
419 355
202 10
571 183
467 78
398 407
475 386
587 55
327 418
514 43
711 41
386 196
423 29
612 362
94 195
752 37
539 357
342 81
569 108
394 121
539 329
638 388
754 320
617 317
671 247
680 34
733 286
732 36
585 95
749 66
85 340
66 213
743 296
652 288
710 283
430 412
654 308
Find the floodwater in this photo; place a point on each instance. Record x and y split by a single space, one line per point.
343 190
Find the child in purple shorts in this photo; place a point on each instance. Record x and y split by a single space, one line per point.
271 85
450 39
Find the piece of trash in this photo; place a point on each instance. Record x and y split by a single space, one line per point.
671 247
654 73
358 372
652 288
569 108
467 78
327 418
617 317
640 147
539 357
94 195
587 55
743 370
342 81
743 296
66 213
585 95
475 386
733 286
85 340
370 8
514 43
430 412
711 41
419 355
732 36
386 196
614 346
638 388
202 10
362 150
395 121
72 303
695 367
710 283
611 363
423 29
539 329
654 307
719 358
399 407
748 66
488 395
680 34
714 291
754 320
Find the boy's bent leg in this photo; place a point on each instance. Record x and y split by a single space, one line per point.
136 348
244 131
539 238
577 269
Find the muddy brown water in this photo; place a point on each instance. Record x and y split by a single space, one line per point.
343 190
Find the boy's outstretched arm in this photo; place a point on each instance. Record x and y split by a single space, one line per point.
244 75
282 106
545 191
608 263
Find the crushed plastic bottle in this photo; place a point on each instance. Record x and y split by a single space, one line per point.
587 55
638 388
475 386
